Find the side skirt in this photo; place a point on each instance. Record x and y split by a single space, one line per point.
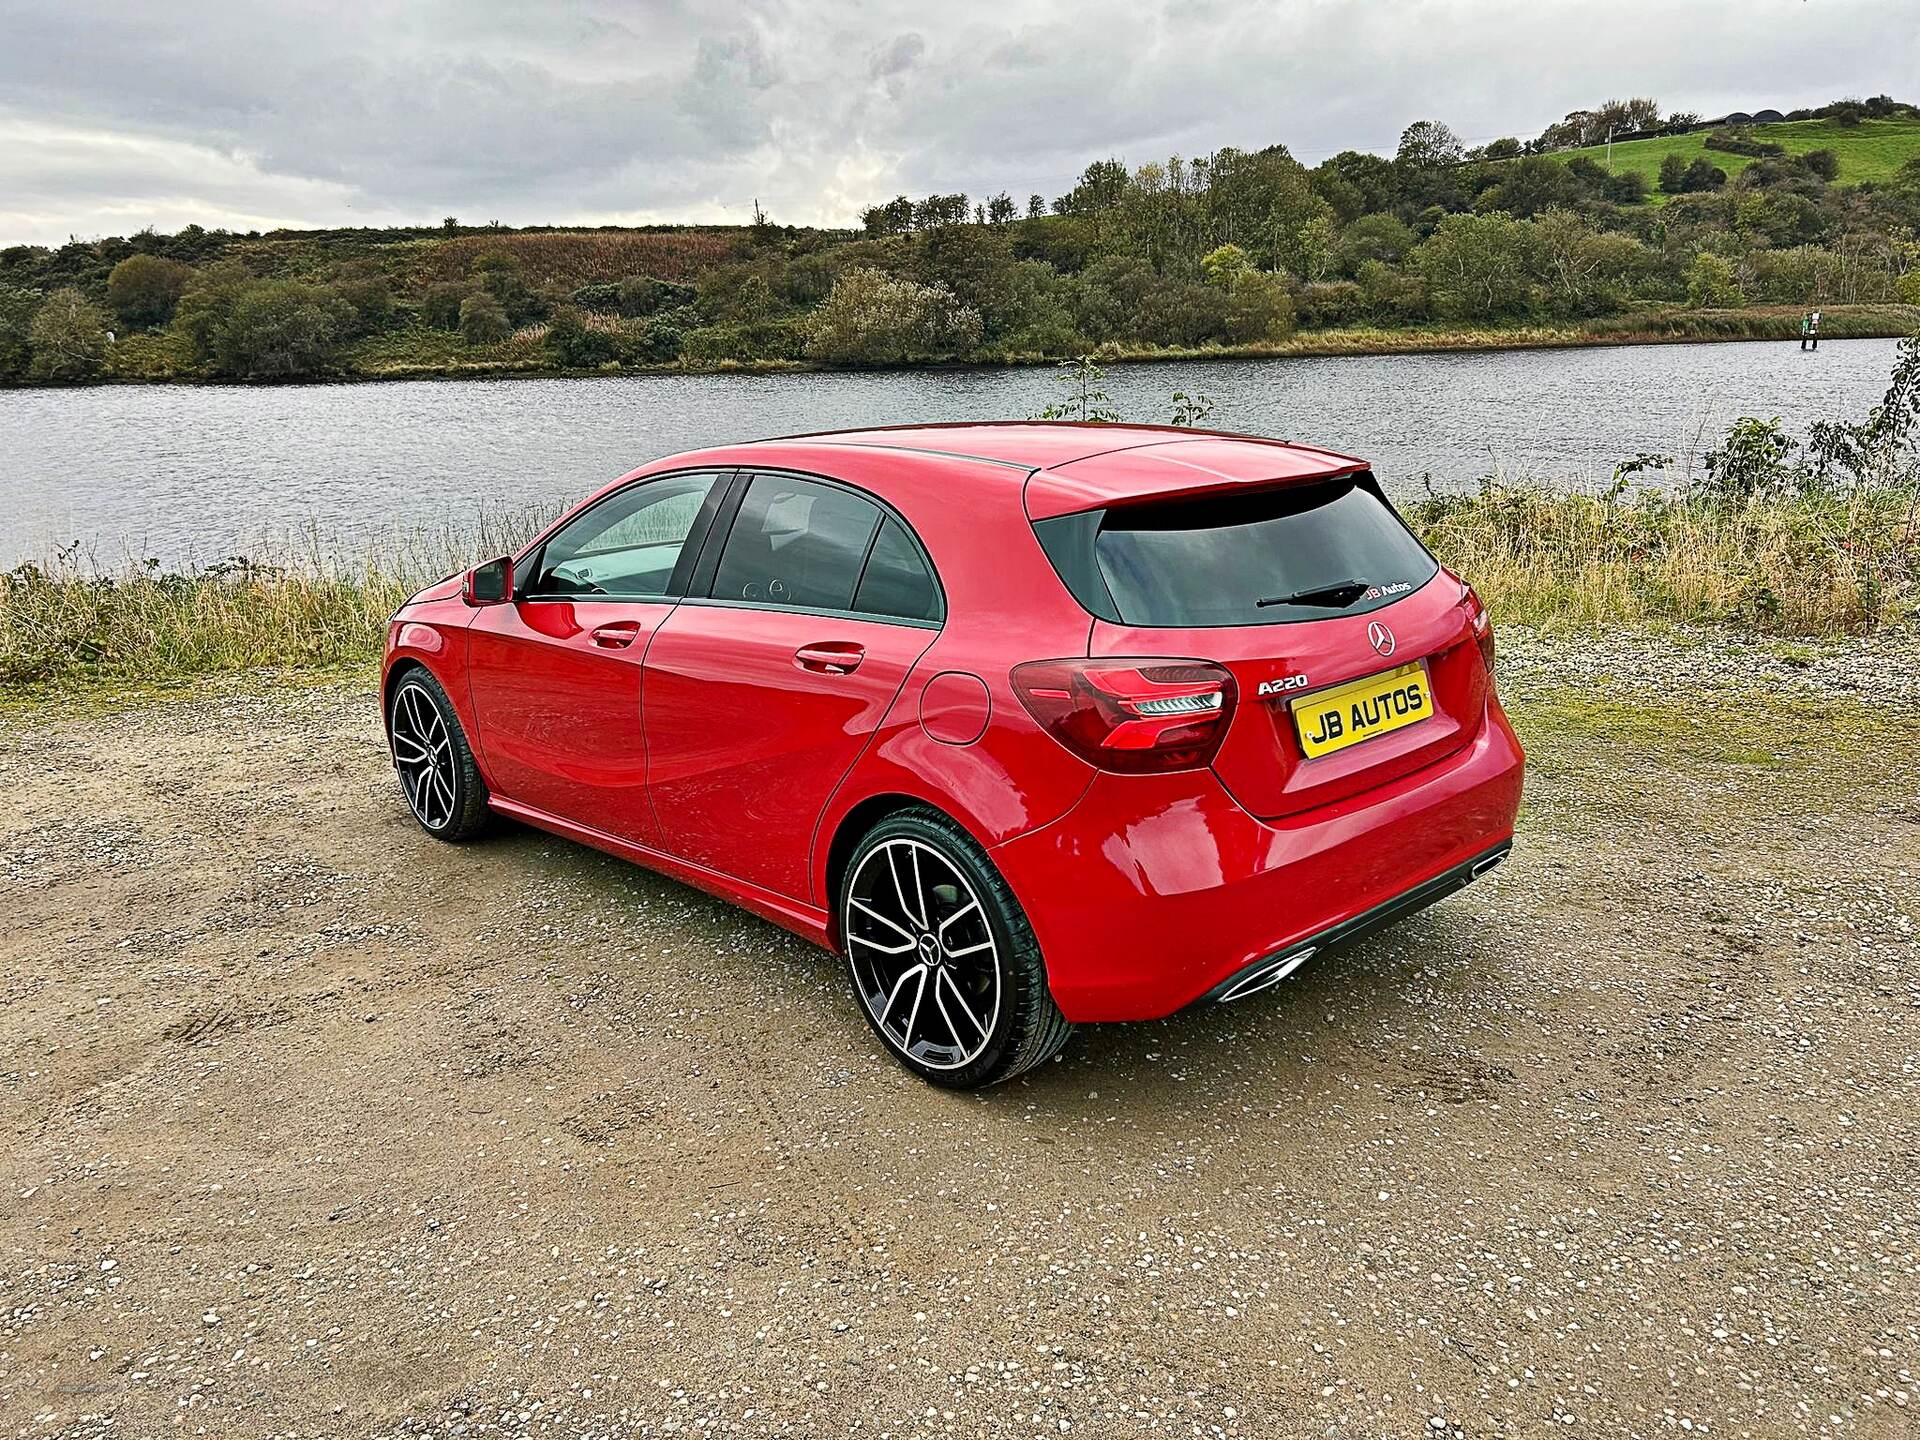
796 915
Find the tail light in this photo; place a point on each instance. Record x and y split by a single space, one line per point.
1133 716
1481 621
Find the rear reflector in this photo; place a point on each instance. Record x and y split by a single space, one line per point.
1131 716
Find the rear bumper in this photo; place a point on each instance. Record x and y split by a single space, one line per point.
1264 973
1157 891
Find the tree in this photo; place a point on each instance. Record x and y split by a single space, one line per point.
1373 237
68 338
1528 186
1476 266
1224 265
975 265
1428 145
1036 206
483 320
1673 173
893 218
1101 187
17 309
1308 249
1712 282
1000 209
143 289
872 318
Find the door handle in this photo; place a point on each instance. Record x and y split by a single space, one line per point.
834 657
616 635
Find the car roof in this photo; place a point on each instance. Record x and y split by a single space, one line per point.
1072 466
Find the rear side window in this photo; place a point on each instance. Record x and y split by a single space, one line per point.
796 543
897 582
1299 553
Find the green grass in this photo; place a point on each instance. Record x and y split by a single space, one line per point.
1871 150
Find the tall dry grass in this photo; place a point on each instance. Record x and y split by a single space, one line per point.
72 620
1817 565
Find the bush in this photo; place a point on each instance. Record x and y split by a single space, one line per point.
1392 294
1741 142
144 289
602 298
642 295
483 321
281 330
370 301
1332 302
440 306
1259 308
1712 283
576 345
873 319
498 273
1373 237
655 343
1751 461
68 338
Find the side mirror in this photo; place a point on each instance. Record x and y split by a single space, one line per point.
491 583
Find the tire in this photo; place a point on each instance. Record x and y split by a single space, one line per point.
925 919
438 776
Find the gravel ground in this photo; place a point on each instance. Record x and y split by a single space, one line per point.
309 1125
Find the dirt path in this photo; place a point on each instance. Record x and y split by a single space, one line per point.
308 1124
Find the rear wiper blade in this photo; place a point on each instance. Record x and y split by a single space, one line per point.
1339 595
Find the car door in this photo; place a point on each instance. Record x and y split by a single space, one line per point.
556 675
764 686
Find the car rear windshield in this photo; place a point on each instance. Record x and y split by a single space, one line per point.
1302 552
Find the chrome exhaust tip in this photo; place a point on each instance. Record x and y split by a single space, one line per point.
1273 974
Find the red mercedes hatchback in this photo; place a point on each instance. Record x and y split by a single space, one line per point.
1034 724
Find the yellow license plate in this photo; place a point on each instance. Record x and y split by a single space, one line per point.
1361 709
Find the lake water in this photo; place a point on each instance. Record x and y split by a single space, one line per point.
183 472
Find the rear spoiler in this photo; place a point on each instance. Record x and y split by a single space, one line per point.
1179 469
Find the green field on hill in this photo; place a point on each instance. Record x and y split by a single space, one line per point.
1871 150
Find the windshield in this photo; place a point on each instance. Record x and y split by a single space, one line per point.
1304 552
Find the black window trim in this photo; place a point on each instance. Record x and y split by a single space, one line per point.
722 527
691 550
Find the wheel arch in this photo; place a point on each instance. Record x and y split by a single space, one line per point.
847 834
403 666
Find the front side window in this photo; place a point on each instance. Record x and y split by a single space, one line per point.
628 544
796 543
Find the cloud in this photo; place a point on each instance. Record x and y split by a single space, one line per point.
255 112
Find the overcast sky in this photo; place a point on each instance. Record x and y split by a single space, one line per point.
257 113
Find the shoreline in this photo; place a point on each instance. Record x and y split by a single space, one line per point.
1675 326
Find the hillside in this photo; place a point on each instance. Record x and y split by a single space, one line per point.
1873 150
1245 252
